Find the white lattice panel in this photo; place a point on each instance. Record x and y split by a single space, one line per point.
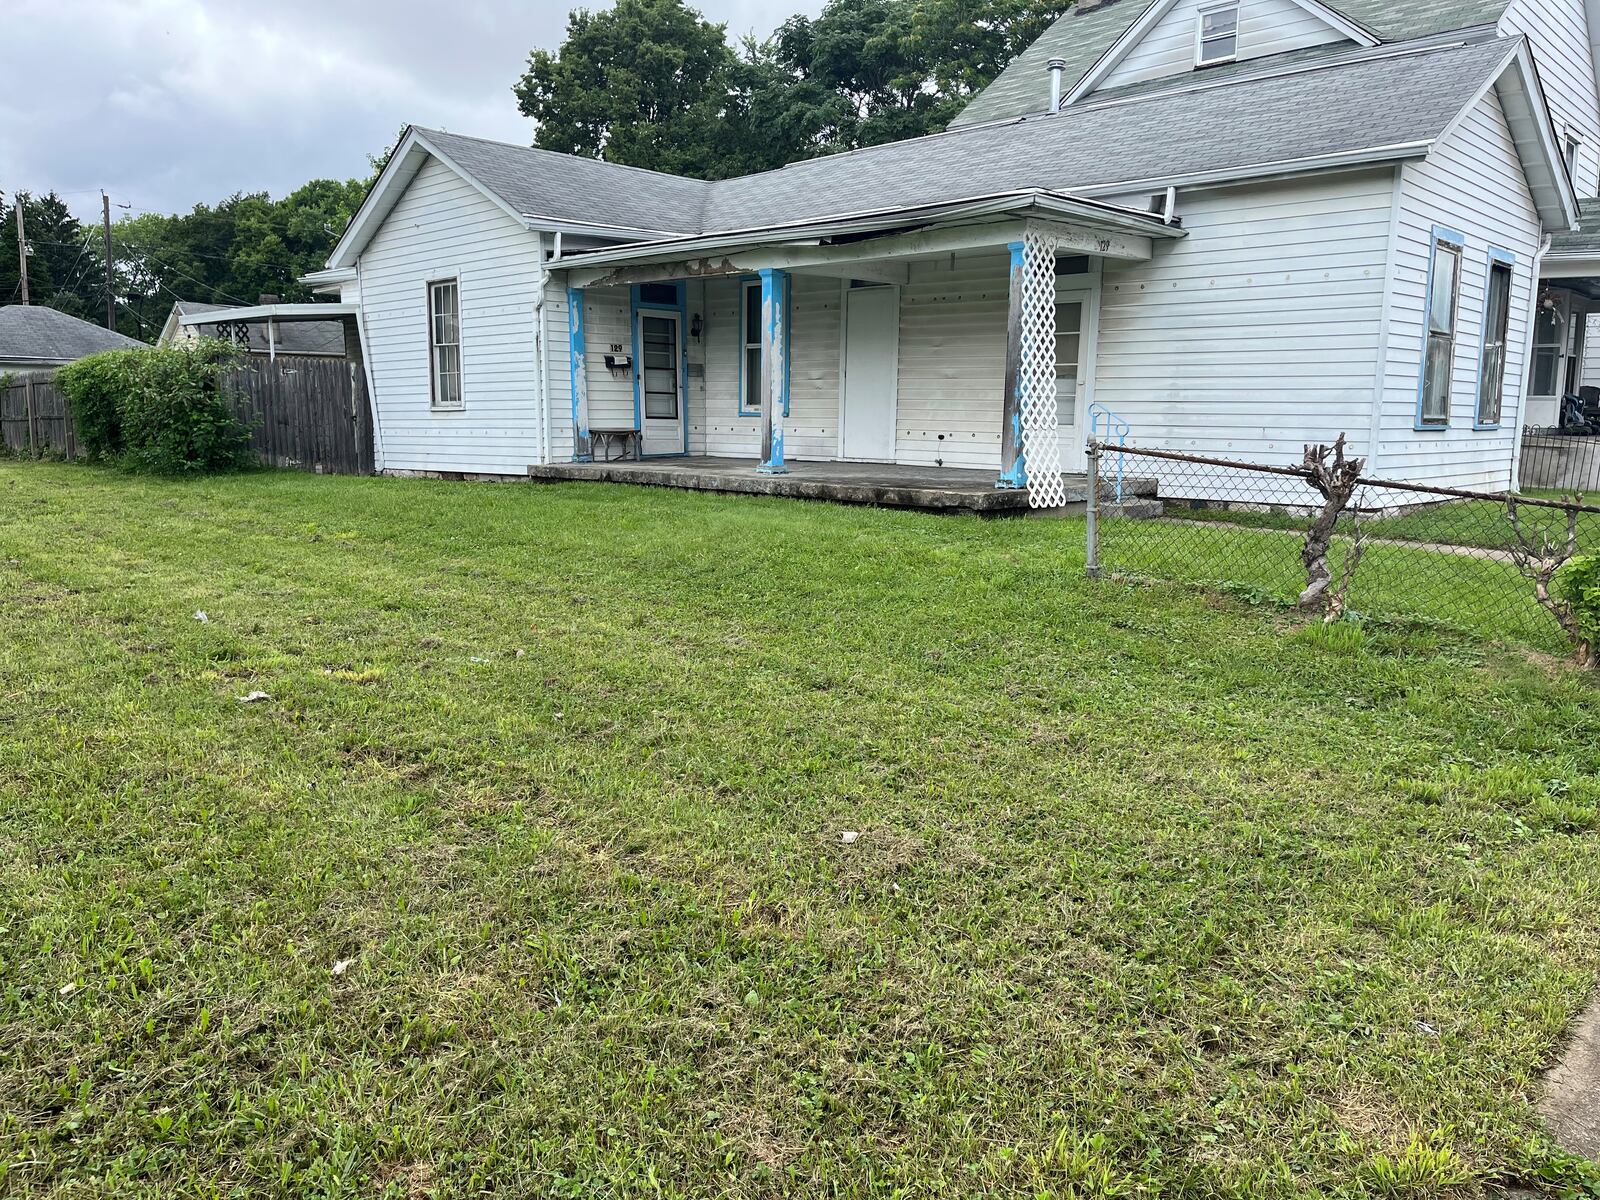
1041 444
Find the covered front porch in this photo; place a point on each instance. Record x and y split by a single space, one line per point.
886 485
929 359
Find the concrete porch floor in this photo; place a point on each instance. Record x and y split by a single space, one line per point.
938 489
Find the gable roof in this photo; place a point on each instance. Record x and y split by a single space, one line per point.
1153 16
1394 105
1082 36
537 188
33 333
1367 105
291 337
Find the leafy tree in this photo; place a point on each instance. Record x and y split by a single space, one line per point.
64 264
652 84
644 83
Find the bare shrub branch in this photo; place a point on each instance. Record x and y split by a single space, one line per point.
1335 477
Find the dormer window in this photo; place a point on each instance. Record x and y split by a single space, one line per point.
1217 35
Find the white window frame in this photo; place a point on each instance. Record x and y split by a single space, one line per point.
1200 58
435 375
749 405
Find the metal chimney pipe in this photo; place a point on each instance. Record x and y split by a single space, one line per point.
1056 65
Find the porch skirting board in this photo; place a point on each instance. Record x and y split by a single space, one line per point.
935 489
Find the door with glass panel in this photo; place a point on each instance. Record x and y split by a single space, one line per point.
1074 361
660 383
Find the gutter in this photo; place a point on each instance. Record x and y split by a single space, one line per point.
1068 206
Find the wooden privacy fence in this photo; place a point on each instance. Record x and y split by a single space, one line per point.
304 412
33 416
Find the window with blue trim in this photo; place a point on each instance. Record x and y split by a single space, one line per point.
1444 282
1496 326
750 348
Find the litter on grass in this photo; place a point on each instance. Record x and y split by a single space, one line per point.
254 697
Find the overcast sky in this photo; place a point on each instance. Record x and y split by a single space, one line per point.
168 103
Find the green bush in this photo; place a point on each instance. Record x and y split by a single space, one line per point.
159 410
1577 584
94 387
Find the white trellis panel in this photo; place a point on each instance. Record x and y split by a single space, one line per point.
1041 444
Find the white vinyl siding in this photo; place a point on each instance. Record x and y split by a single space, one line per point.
952 362
442 227
1559 33
1265 27
811 430
1472 184
1259 331
607 325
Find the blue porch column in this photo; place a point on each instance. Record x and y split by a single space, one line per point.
582 450
774 377
1013 463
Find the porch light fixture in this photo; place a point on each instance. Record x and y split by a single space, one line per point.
695 326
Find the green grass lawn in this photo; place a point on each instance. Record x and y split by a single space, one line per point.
528 878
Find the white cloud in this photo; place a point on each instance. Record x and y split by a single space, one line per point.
177 102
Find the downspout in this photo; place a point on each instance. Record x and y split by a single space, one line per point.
1527 366
366 367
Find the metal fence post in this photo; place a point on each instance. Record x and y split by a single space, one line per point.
1091 511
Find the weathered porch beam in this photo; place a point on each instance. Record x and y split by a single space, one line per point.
1070 239
877 272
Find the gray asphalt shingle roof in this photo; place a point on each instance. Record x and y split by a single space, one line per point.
542 183
31 333
1082 35
293 337
1586 238
1348 107
1236 124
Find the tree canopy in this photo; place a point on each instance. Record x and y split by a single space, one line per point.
651 83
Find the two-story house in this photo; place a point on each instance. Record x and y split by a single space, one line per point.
1239 225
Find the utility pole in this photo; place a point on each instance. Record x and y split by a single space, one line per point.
22 246
111 295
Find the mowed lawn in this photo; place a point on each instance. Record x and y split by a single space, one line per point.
528 879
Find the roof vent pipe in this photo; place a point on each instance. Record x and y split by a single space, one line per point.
1056 65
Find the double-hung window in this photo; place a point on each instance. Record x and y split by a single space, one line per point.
444 342
750 348
1217 35
1439 353
1496 325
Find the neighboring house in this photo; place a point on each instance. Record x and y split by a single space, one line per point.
34 338
321 338
1240 225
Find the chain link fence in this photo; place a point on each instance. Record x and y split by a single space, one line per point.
1397 551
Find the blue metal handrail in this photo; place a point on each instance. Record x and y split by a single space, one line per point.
1116 429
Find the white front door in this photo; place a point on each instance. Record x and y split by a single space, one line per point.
1075 331
660 383
871 348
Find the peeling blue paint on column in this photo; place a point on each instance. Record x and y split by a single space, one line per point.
581 447
1013 460
774 368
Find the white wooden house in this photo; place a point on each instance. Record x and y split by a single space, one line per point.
1238 225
